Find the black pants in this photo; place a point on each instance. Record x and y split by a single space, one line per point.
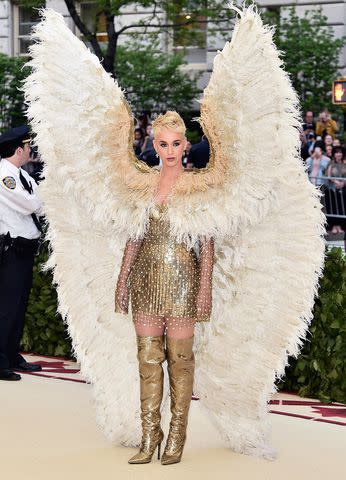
15 283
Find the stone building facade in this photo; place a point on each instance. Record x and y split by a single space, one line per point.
16 22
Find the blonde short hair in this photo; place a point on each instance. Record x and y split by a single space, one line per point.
171 120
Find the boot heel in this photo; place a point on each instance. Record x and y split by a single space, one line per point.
159 451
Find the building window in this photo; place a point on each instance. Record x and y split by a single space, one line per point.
273 15
94 20
26 19
191 39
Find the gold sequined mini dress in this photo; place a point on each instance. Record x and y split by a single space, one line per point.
164 280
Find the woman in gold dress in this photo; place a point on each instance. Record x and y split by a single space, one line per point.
170 289
241 201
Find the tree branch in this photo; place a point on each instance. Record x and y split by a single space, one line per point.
170 25
108 62
91 37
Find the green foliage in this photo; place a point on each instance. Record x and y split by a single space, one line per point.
193 136
44 331
320 370
11 98
183 20
310 54
154 80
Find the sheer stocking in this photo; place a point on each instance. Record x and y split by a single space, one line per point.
174 327
206 263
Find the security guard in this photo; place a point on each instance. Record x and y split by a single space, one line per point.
19 237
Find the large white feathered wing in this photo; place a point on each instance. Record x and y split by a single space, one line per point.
83 128
269 251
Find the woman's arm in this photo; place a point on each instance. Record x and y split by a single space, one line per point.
122 292
206 264
144 146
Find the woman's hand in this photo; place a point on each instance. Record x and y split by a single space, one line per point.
122 298
338 183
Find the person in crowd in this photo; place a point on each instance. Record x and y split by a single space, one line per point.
308 139
148 153
148 140
199 153
335 193
326 125
329 151
309 123
19 237
328 140
35 166
336 142
143 121
138 141
185 158
318 143
316 166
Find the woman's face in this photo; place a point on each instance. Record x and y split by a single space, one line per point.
329 150
338 157
328 140
138 135
170 146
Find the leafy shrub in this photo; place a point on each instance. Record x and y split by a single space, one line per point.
320 370
44 332
11 98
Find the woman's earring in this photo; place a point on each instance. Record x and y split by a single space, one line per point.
157 155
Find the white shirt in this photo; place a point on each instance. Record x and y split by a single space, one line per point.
16 204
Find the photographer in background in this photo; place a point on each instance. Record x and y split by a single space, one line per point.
326 125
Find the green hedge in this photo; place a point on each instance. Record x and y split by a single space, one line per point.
320 370
44 331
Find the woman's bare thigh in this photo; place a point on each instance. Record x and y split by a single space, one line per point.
147 325
180 327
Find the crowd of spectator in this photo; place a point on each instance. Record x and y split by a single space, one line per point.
325 158
321 150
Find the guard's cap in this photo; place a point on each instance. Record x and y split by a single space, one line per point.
12 139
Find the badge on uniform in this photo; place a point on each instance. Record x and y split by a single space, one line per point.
9 182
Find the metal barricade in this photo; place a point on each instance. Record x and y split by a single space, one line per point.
334 196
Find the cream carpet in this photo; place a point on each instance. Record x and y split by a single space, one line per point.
48 432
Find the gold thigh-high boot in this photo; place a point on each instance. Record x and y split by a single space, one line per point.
151 355
181 367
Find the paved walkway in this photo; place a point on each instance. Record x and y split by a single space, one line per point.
48 432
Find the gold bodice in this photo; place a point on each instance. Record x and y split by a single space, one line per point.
165 277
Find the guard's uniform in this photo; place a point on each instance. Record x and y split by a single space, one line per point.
19 237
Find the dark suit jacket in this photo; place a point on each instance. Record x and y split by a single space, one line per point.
199 154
